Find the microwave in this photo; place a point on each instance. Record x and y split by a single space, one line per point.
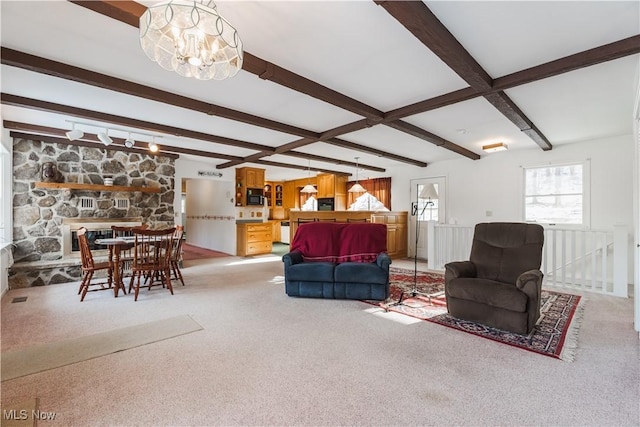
254 199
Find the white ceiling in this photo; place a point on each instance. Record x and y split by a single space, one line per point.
356 48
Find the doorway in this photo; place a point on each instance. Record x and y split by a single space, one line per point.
424 210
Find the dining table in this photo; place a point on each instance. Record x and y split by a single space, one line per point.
116 245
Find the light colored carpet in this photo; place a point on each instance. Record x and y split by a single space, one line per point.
43 357
22 414
266 359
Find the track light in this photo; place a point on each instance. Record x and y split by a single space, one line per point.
74 133
129 142
104 137
153 147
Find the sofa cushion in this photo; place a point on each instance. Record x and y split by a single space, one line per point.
488 292
340 242
359 272
311 271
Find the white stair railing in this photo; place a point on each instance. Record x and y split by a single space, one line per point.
584 260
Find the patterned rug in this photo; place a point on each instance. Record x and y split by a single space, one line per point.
554 335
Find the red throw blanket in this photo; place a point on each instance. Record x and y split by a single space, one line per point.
340 242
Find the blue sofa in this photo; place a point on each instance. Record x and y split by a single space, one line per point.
338 260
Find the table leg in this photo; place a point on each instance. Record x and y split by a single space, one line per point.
117 279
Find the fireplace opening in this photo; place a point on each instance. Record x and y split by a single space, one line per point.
96 229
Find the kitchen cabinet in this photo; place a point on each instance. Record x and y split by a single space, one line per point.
254 238
289 196
397 230
334 187
247 178
276 231
273 192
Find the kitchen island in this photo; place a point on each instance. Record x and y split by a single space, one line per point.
396 224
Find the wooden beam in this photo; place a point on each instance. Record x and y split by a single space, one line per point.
128 12
353 146
58 69
510 110
268 71
425 26
91 140
118 143
587 58
19 101
432 138
336 161
422 23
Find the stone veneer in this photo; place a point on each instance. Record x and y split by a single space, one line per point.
38 213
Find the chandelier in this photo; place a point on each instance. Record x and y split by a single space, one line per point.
192 39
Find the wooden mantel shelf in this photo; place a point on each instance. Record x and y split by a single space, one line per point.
94 187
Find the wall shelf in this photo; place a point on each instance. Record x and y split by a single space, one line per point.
94 187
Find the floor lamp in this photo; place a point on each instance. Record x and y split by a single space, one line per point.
428 192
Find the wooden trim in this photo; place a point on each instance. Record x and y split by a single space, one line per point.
94 187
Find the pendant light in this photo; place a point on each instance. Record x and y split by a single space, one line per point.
357 188
309 188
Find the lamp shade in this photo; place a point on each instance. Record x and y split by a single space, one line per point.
429 192
357 188
308 189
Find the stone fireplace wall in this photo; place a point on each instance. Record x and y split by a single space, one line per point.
39 213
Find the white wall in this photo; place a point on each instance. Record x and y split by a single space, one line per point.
494 183
6 233
210 206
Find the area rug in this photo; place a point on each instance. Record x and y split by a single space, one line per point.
43 357
555 335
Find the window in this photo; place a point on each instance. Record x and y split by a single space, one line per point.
556 194
427 209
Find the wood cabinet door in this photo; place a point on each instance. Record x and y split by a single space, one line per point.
326 185
252 178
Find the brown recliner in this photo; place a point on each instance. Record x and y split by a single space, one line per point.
501 283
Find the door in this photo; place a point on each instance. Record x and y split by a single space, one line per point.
424 209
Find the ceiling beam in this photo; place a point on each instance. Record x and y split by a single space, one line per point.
353 146
426 27
432 138
69 72
19 101
129 12
272 72
587 58
335 161
118 143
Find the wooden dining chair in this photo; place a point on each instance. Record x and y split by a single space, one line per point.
89 267
126 254
176 254
151 259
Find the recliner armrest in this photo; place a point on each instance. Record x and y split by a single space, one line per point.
383 261
531 276
292 258
456 269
